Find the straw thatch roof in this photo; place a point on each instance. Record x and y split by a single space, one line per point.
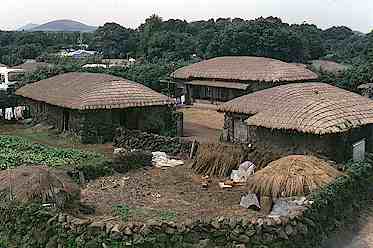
31 66
316 108
244 68
92 91
293 175
38 183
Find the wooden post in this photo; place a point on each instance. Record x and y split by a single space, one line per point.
192 150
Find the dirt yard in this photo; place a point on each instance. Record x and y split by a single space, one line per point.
202 124
155 194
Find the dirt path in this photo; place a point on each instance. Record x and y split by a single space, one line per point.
202 124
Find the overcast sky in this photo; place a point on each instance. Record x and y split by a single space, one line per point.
356 14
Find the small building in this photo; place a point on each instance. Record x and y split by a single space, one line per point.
329 66
307 118
93 105
81 54
225 78
366 90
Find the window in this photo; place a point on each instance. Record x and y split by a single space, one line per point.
358 151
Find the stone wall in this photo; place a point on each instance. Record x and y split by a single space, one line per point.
133 139
337 204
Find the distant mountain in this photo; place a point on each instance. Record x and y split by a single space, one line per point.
64 26
27 27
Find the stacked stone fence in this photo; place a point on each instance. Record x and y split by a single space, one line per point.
336 204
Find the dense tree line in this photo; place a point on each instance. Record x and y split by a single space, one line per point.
18 46
174 40
164 45
178 40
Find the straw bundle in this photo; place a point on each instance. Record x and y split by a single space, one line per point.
217 159
39 183
293 175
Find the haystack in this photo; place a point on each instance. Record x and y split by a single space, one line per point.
39 184
293 175
218 159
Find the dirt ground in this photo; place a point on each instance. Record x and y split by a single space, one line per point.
174 192
202 124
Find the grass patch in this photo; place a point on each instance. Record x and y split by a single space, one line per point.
126 213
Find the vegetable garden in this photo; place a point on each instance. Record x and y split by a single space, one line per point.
16 151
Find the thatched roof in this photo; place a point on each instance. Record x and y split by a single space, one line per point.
316 108
293 175
40 184
92 91
244 68
31 66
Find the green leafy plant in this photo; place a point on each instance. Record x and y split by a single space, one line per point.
167 215
121 210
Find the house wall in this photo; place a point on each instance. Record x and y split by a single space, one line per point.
336 147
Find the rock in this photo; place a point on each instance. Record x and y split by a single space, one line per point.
52 243
244 239
69 219
282 234
115 232
260 222
268 237
309 222
81 222
302 228
250 232
204 243
52 220
108 227
127 231
289 230
61 218
240 246
266 204
215 224
96 227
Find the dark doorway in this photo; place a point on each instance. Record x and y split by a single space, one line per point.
66 119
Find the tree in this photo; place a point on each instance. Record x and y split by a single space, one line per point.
112 40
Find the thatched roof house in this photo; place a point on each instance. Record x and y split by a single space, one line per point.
366 90
224 78
313 111
328 66
96 103
293 176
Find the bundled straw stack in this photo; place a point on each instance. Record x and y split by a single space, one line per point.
40 184
218 159
293 175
